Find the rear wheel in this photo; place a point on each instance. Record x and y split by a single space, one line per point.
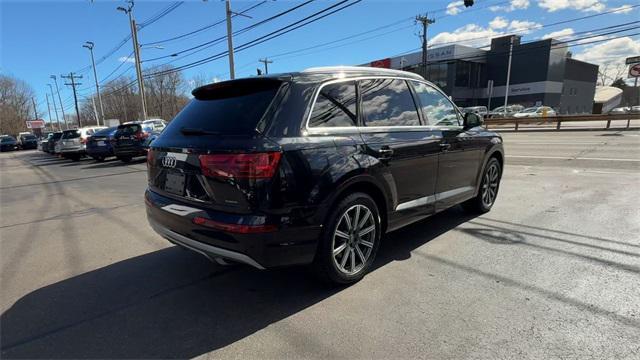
488 192
124 159
98 158
350 241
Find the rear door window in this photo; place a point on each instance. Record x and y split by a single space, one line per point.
335 106
388 102
437 110
227 108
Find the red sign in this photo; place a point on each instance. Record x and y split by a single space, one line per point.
35 124
634 70
384 63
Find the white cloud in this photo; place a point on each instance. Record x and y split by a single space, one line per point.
624 9
610 55
559 35
498 23
130 59
580 5
469 35
523 27
454 8
514 5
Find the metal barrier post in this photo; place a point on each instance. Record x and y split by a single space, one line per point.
516 120
608 123
558 125
628 123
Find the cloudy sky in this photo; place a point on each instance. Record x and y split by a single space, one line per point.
45 37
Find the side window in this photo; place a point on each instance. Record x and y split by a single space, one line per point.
335 106
436 108
388 102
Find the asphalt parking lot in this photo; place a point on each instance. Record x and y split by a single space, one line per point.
552 271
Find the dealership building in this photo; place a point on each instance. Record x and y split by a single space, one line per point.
542 73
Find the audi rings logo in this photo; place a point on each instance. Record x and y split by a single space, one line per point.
169 161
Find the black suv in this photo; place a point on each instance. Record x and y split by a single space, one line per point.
314 167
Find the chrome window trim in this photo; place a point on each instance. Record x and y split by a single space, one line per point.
426 200
373 129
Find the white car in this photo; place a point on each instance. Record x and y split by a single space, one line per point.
536 111
157 125
73 144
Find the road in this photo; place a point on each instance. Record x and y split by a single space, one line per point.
553 271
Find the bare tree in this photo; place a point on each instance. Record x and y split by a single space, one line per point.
609 72
165 92
15 105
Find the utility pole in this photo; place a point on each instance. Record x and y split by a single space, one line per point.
55 110
266 61
506 90
425 21
71 77
35 108
232 73
49 110
64 119
89 45
136 53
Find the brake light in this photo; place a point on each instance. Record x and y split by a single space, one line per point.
151 156
248 166
234 228
142 135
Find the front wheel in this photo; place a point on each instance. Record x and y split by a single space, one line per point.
350 241
488 192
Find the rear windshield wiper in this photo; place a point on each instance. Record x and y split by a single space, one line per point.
197 131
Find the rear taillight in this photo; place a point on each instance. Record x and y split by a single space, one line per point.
247 166
234 228
151 155
84 141
142 135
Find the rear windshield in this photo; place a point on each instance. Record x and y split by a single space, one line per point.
106 132
230 108
129 129
7 139
71 134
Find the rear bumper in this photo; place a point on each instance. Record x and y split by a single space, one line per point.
289 245
72 150
100 151
129 151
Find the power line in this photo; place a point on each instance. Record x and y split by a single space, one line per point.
204 27
238 32
272 35
161 14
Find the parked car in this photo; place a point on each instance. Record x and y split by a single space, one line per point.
73 144
536 111
8 143
480 110
620 110
53 141
99 145
314 167
43 144
157 125
27 141
130 139
635 110
499 111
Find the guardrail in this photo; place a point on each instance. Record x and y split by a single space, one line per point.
560 119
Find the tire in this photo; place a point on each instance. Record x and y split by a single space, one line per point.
75 157
124 159
488 190
358 248
98 158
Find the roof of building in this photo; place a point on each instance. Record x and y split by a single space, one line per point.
606 93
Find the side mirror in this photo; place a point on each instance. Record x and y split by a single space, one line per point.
472 120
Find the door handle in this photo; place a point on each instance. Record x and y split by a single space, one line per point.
445 146
385 152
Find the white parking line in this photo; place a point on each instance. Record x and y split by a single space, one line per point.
569 158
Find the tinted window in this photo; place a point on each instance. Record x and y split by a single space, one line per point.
28 137
105 132
436 108
7 139
388 102
71 134
335 106
233 107
56 136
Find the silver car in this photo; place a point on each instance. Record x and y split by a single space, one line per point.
73 143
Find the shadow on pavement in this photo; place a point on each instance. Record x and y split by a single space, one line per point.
111 163
174 304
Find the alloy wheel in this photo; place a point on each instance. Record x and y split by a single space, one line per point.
490 185
353 239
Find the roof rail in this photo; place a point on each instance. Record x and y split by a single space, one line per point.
360 69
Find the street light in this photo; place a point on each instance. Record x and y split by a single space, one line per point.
136 53
55 79
89 45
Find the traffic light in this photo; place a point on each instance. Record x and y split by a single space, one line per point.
468 3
